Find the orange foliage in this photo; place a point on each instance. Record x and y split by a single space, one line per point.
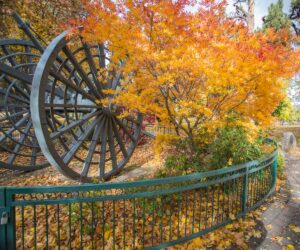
47 17
195 68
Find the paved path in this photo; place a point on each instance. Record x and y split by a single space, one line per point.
282 218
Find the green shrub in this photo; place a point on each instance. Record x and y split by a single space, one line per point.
231 146
280 163
182 160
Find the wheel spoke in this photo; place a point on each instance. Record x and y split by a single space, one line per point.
57 121
15 73
81 71
119 139
21 91
75 145
3 77
70 84
15 97
69 105
123 126
111 145
12 105
93 68
29 58
116 81
103 149
33 153
101 50
14 115
11 130
7 52
19 143
95 140
73 125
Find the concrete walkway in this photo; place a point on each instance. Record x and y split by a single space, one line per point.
282 218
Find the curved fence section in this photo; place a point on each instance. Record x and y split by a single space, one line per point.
149 214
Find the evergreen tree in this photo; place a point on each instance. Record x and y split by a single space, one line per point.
295 15
276 18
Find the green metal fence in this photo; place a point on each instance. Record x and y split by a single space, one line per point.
148 214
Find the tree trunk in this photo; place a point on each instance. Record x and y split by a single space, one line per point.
250 18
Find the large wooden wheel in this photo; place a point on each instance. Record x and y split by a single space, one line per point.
80 136
19 146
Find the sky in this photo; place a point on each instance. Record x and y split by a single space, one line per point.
261 9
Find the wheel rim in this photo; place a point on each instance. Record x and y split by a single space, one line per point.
80 137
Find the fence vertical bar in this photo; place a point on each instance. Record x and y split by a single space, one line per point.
245 191
3 228
274 172
11 225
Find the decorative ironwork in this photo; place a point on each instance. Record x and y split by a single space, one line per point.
81 137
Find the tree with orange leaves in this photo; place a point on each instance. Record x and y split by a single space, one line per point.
46 17
189 64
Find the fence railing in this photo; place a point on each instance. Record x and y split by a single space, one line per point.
148 214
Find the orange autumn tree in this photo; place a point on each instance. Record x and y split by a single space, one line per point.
46 17
189 64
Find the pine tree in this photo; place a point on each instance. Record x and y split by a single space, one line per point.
276 18
295 15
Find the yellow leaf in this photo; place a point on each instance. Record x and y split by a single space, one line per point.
269 227
294 228
197 242
107 234
290 247
257 234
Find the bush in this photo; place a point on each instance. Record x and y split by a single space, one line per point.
232 146
280 164
182 160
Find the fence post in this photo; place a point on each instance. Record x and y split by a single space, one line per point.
3 228
7 217
11 226
274 172
245 192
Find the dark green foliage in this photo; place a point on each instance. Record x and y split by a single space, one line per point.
281 109
231 146
280 163
295 3
276 18
286 112
183 159
294 15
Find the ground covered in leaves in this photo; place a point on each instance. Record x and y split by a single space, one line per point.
51 177
245 233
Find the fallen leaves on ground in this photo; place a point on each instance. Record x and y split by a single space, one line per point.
294 228
289 247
